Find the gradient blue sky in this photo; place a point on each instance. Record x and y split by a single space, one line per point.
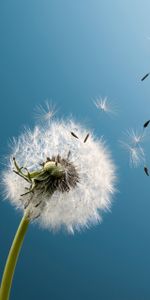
70 52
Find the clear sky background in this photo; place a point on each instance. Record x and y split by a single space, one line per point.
71 52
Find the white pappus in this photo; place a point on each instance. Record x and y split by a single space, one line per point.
132 143
104 105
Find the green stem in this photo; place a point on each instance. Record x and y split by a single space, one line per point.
12 259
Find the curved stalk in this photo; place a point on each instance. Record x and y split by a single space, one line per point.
12 258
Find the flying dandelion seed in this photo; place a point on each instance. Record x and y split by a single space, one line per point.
135 137
146 171
144 77
45 113
103 105
136 154
146 124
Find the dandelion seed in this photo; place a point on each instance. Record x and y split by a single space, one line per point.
103 105
146 171
86 138
74 135
144 77
45 113
146 124
134 137
136 154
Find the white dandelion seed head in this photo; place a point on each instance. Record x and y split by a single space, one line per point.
84 202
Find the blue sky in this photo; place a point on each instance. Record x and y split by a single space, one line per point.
71 52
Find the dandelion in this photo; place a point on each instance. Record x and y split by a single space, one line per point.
103 105
57 180
88 175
